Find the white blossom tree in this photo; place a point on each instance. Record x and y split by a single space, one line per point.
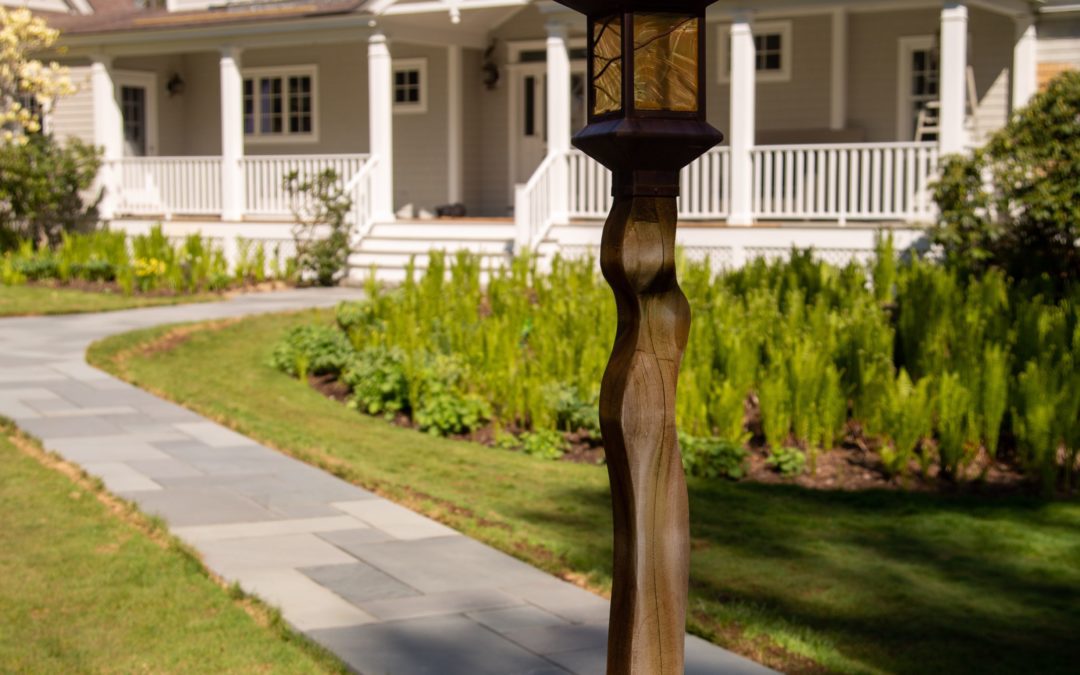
28 87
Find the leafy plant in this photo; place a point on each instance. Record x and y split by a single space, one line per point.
319 205
712 457
376 378
790 462
544 444
311 350
908 420
444 408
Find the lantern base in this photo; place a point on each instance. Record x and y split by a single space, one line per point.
646 154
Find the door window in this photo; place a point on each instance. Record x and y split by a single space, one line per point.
924 82
133 109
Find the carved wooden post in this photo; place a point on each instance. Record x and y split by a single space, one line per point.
637 418
646 122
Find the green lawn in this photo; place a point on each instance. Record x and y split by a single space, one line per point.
38 300
92 588
804 581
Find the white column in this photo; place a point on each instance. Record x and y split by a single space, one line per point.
558 118
381 121
743 111
1025 73
954 32
838 104
455 122
108 133
233 187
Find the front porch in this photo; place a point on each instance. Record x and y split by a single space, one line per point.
405 117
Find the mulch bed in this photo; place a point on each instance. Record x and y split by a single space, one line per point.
853 466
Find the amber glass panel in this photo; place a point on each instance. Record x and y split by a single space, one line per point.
665 62
607 65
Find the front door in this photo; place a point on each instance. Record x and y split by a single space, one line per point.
918 85
530 118
135 92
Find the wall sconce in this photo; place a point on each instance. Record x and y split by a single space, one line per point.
490 68
176 85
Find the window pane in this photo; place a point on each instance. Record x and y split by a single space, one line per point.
772 42
772 62
665 62
607 65
530 106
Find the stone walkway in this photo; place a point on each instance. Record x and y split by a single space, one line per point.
386 589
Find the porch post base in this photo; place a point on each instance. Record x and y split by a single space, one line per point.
740 220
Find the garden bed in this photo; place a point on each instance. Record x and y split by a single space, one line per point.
806 581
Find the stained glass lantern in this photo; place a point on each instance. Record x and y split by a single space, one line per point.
647 94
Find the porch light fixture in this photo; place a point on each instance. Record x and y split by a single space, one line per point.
646 122
176 85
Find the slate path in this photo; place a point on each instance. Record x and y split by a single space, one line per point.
386 589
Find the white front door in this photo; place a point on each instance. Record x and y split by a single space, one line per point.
136 94
918 83
530 115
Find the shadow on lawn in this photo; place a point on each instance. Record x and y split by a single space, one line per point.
897 582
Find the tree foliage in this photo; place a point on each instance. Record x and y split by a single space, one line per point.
28 87
1015 204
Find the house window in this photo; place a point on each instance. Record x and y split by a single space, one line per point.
279 104
772 47
410 85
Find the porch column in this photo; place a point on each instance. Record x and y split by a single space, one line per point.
455 122
381 121
233 188
743 111
558 118
1025 72
838 107
954 32
108 133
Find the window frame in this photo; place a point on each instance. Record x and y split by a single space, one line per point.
258 137
420 106
786 32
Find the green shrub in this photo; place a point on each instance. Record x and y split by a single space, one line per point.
376 378
42 183
907 421
1028 223
319 203
572 412
790 462
955 425
544 444
443 408
312 350
712 457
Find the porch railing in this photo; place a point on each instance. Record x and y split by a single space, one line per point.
865 181
534 202
264 176
705 187
359 189
167 185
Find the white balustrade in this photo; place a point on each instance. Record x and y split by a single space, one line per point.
534 212
705 187
265 176
169 185
360 189
864 181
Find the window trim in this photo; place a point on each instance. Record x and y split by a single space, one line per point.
787 48
420 65
284 72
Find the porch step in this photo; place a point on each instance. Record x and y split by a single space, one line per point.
444 231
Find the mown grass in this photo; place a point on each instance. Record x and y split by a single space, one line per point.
42 300
804 581
90 585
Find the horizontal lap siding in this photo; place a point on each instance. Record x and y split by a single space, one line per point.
73 116
1059 48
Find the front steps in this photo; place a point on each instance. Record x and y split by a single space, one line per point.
389 247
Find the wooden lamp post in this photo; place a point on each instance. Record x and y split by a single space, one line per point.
646 122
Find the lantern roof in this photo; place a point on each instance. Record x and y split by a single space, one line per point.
604 7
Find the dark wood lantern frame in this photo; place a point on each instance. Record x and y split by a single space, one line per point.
645 150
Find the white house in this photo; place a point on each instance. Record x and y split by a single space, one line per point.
201 108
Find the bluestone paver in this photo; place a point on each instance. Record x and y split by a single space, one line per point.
386 589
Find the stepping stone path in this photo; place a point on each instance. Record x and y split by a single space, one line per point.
387 590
